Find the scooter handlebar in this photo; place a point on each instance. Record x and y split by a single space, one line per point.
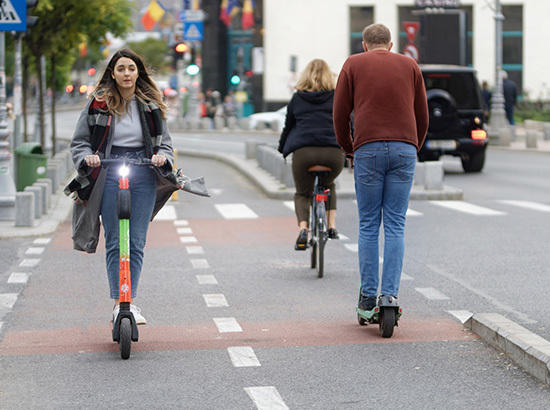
145 162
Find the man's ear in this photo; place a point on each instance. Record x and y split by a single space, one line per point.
391 45
364 46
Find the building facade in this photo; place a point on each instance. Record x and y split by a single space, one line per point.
297 31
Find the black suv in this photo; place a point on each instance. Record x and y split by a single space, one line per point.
456 116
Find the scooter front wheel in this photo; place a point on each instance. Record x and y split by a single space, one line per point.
125 338
387 321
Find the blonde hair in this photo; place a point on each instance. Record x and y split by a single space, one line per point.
376 34
317 76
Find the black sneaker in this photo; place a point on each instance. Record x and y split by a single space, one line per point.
333 233
301 242
367 302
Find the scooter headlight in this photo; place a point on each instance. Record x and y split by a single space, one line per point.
124 171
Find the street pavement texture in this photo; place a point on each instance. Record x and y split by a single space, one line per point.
40 326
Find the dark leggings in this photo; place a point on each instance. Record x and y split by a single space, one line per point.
306 157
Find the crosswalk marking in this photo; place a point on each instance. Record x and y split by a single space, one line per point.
167 213
227 324
468 208
235 211
432 293
536 206
266 398
243 356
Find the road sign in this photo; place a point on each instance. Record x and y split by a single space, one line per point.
193 31
411 51
13 15
191 15
411 28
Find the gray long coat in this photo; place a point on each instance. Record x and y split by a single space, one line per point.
86 224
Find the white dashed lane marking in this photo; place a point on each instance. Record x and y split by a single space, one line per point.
227 324
29 263
181 222
266 398
7 300
188 239
243 356
34 251
432 294
215 300
184 231
18 277
206 279
194 250
235 211
42 241
199 263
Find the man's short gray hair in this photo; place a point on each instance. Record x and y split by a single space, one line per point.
376 34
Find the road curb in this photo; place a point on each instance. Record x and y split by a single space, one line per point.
527 349
275 189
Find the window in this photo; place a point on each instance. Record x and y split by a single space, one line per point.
512 43
359 18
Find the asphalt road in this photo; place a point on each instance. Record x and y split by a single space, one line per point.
300 346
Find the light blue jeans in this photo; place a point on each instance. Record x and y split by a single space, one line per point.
384 174
143 187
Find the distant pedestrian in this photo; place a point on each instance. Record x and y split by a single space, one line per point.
386 92
309 134
487 95
510 91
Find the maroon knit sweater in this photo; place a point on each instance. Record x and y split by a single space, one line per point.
387 95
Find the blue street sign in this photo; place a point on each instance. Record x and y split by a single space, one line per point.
193 31
13 15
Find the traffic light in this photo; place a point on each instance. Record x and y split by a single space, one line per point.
31 20
181 48
235 78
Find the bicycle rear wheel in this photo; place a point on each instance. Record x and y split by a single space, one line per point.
313 235
321 240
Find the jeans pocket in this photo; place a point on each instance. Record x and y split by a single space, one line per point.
365 168
407 164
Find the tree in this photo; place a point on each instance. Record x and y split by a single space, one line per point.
62 25
155 52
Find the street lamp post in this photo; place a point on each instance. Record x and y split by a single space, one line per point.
7 185
498 114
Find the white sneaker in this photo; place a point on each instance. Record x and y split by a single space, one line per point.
140 320
115 313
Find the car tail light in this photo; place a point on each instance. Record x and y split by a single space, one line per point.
479 134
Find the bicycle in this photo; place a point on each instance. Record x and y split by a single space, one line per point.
124 327
318 219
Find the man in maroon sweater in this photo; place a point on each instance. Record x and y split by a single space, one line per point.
386 93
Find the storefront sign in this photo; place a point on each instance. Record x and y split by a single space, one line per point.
446 4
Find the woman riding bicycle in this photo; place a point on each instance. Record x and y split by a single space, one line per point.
309 135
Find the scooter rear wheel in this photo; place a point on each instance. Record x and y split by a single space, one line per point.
125 339
387 322
361 321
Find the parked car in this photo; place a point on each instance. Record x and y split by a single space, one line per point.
457 119
273 119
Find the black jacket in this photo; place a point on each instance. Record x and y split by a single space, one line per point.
308 122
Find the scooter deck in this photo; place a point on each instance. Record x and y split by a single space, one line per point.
371 316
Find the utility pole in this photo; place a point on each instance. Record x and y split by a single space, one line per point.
498 115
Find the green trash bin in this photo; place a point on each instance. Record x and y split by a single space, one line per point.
31 164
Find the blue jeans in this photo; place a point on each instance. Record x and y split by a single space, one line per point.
143 187
384 174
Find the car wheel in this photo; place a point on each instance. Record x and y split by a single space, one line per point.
442 109
473 162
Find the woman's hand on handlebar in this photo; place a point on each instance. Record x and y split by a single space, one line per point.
158 160
92 161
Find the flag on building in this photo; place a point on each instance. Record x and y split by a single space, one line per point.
247 18
228 9
154 13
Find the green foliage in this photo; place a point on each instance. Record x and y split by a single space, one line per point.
154 52
537 111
